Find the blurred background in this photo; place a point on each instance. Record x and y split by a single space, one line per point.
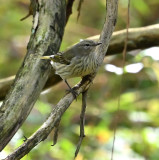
137 120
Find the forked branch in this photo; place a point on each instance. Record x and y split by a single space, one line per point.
64 103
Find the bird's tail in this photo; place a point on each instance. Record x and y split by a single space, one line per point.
57 58
45 57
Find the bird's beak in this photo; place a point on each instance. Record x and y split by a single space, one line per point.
45 57
98 43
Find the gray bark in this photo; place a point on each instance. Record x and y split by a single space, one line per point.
46 36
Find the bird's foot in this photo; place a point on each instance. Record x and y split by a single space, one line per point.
88 77
74 93
25 139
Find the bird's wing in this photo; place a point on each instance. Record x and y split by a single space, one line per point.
69 54
60 58
65 57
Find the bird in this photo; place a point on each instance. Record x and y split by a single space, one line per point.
77 61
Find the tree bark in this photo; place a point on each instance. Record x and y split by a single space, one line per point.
46 37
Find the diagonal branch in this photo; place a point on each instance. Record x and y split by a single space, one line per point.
111 19
54 117
46 36
65 102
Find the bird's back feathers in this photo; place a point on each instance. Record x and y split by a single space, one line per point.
59 58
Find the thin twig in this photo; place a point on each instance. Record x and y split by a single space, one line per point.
55 136
69 9
79 8
25 139
25 17
82 121
122 76
32 9
127 34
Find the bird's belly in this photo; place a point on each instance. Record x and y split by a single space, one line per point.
76 69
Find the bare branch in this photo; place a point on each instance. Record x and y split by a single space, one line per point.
32 9
53 119
47 32
69 9
55 136
65 102
79 8
139 38
82 121
111 18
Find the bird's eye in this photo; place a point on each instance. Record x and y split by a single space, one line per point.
87 44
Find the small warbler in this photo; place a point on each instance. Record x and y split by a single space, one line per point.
78 61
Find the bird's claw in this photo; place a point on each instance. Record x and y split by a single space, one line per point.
25 139
89 78
74 93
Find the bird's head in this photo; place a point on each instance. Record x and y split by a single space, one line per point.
87 46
